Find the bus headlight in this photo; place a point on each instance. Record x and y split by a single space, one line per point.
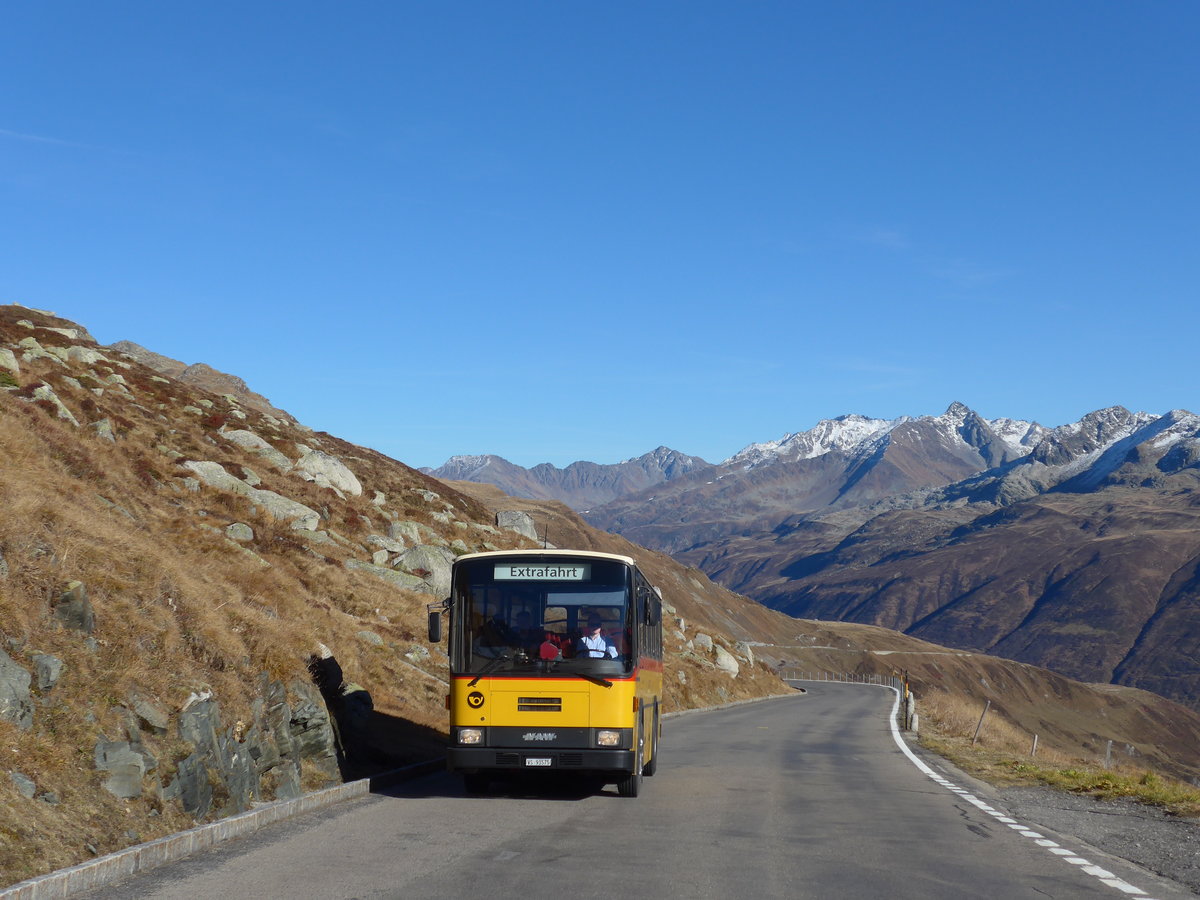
606 738
470 735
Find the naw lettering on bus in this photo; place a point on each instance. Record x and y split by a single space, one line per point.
543 572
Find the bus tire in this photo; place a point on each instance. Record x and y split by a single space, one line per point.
630 785
652 764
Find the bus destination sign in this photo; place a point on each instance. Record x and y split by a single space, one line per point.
543 572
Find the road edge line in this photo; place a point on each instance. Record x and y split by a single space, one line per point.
1067 856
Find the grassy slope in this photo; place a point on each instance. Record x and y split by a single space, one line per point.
181 610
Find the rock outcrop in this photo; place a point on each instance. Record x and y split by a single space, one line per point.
328 471
520 522
16 702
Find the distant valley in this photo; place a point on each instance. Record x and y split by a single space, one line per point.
1075 547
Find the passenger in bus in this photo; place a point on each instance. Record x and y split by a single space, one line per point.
594 643
551 647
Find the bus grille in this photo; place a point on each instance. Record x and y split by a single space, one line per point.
539 704
570 759
508 759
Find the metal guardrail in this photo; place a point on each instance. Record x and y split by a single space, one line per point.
897 682
909 720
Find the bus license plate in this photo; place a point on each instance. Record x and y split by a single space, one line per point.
538 761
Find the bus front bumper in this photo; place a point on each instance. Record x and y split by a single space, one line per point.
532 759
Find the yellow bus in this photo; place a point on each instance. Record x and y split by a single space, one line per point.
556 665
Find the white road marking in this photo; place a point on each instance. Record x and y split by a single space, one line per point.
1102 875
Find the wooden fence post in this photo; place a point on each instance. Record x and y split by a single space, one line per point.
986 707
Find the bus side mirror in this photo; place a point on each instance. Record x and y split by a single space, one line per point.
435 620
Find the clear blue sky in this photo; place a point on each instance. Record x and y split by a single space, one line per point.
559 231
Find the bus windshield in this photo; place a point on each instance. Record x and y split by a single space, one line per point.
542 615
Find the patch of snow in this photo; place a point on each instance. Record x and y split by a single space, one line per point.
1186 426
845 433
1018 435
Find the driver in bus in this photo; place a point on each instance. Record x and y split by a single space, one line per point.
594 643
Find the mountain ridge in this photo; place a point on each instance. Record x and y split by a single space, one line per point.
853 518
580 485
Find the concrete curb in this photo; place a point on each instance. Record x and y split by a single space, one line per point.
105 870
97 873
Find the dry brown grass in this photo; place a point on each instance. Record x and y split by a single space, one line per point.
179 609
1003 755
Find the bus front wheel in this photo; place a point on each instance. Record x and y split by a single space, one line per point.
631 784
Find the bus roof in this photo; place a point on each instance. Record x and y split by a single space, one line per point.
588 554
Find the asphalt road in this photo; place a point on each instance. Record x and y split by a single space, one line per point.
804 797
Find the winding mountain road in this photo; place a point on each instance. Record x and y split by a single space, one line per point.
804 797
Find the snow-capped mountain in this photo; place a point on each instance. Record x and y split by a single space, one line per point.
1105 446
1018 434
670 501
471 468
856 435
847 434
1069 444
1184 426
1140 450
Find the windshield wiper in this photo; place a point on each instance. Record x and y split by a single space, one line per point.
488 668
594 679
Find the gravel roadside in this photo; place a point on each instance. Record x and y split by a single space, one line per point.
1166 845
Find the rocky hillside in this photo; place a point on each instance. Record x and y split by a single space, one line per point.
200 375
195 590
580 485
1102 586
